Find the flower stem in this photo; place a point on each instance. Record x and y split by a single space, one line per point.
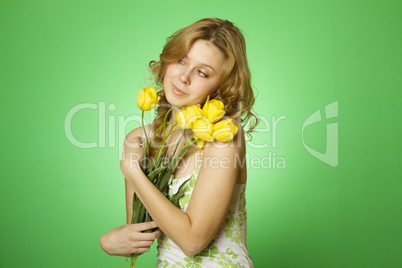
133 259
144 159
143 127
153 136
160 152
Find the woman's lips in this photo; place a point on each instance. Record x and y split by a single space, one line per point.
177 91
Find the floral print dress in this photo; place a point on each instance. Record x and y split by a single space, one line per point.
227 249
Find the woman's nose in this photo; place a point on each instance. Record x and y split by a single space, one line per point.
184 77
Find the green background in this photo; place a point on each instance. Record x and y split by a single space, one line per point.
57 199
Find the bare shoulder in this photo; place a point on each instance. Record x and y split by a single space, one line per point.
138 132
231 151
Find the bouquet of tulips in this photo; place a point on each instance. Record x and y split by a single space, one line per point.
205 126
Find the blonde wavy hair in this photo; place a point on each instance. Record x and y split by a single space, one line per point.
235 90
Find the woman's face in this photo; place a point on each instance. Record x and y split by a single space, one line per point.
190 80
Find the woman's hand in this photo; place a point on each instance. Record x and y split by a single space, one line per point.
127 239
132 156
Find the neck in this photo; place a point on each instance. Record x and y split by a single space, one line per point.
173 114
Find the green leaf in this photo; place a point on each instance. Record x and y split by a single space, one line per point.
204 253
184 200
177 144
228 233
137 205
215 250
142 214
155 172
164 181
192 184
199 260
175 198
229 221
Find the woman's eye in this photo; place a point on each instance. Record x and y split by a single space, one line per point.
181 61
202 73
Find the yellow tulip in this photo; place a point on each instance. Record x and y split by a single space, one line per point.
193 113
214 109
147 99
181 118
224 130
187 116
203 129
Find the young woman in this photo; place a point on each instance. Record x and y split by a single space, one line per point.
207 58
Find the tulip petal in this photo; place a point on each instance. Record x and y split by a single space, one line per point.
193 113
216 115
203 129
206 106
181 119
224 131
147 99
214 110
200 144
204 136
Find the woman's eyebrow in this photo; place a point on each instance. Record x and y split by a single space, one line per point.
202 64
208 66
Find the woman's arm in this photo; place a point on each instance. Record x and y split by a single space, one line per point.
129 201
194 229
129 238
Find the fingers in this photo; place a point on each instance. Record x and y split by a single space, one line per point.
135 142
145 226
157 233
138 251
147 236
136 233
142 246
142 250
